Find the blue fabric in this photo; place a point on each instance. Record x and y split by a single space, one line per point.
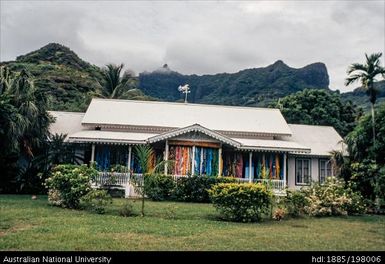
103 157
209 161
197 161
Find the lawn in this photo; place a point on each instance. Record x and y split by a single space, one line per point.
27 224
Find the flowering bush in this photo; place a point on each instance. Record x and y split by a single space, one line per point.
244 202
68 183
279 214
54 197
332 198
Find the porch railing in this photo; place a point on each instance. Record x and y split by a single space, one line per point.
276 185
112 178
123 179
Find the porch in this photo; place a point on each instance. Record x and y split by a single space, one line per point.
124 181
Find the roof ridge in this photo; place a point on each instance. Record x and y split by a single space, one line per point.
310 125
189 104
66 112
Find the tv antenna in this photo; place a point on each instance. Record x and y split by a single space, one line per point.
184 89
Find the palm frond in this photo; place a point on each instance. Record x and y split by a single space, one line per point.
356 67
143 156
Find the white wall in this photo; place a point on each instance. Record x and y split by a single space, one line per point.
291 171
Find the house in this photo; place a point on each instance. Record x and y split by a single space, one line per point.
252 144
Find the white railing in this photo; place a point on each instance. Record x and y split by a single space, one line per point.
276 185
124 179
112 178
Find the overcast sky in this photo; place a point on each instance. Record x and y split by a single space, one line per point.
199 36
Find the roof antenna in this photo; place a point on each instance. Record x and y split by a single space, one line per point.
184 89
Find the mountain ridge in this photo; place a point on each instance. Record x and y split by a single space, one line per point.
61 73
277 78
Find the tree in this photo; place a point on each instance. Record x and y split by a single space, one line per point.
57 151
367 160
359 141
319 107
24 123
366 74
114 85
144 154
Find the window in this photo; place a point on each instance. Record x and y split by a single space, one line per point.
302 171
325 169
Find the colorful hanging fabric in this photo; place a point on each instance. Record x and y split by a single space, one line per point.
215 163
103 157
263 169
239 166
197 162
277 167
258 170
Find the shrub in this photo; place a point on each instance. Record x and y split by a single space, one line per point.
279 214
118 168
54 198
68 183
244 202
113 192
127 210
96 201
159 187
332 198
195 188
369 178
295 202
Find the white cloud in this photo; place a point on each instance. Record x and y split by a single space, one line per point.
200 37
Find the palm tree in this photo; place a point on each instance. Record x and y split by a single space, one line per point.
144 154
366 74
24 121
114 85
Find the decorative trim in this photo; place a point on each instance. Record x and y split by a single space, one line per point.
274 149
194 128
159 129
106 141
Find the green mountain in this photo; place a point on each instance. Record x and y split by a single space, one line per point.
360 98
70 81
61 74
252 87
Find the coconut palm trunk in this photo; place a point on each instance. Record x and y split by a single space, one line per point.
373 123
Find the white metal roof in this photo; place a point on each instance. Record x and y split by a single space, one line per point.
271 145
321 139
66 122
109 137
111 112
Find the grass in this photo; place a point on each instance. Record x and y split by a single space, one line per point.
27 224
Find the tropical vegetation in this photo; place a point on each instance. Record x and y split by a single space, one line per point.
24 123
319 107
115 85
69 183
244 202
366 74
366 161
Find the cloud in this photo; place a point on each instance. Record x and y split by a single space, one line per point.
200 37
